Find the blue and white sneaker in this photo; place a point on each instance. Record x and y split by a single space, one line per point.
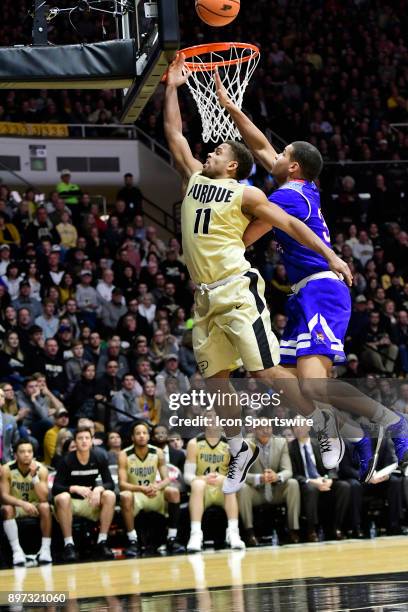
399 435
368 457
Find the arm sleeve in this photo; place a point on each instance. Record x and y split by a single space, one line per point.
291 202
190 470
61 481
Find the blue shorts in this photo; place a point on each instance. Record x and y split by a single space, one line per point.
318 317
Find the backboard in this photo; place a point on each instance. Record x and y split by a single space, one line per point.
155 28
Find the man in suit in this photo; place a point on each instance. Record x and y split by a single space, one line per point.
316 484
390 488
269 480
8 433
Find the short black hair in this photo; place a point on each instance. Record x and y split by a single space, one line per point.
308 158
136 424
22 441
244 158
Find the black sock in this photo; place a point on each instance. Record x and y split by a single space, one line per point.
174 514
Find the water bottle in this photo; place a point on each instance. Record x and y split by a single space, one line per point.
373 530
275 538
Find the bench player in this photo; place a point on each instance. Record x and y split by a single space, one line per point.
24 492
139 466
232 322
319 310
206 466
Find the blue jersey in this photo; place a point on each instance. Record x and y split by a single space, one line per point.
302 200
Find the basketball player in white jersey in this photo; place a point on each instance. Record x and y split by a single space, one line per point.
232 323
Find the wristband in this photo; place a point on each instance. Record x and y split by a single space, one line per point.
35 479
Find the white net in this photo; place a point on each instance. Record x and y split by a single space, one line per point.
236 65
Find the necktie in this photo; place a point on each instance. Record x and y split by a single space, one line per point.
310 466
265 461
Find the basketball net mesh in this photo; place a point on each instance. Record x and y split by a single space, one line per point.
216 121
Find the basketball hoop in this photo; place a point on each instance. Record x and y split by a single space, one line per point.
236 63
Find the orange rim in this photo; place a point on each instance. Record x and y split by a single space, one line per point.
215 48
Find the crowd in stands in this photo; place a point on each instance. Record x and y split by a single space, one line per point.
96 332
338 80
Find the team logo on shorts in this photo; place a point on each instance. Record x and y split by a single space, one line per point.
320 338
202 366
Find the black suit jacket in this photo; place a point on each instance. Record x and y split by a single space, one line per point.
177 458
297 461
350 464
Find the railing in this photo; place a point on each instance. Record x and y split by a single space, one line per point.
161 217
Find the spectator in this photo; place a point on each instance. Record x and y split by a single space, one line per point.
61 421
188 364
81 401
64 437
35 405
24 300
113 352
112 311
126 400
12 359
149 404
379 353
114 446
74 366
48 322
67 231
12 279
132 196
69 192
160 438
171 368
87 298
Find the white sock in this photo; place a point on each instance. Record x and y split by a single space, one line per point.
11 531
385 416
132 535
235 444
233 524
195 527
45 543
172 532
68 540
102 537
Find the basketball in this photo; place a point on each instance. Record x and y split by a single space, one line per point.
217 13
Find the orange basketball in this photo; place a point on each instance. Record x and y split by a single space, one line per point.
217 12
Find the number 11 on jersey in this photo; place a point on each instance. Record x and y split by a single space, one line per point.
206 220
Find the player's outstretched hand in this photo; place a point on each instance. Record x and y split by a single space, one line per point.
339 267
177 73
223 98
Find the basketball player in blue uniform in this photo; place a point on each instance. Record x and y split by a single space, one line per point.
319 309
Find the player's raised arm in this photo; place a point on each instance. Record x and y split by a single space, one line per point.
179 147
255 203
255 140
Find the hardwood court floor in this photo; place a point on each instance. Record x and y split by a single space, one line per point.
330 563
